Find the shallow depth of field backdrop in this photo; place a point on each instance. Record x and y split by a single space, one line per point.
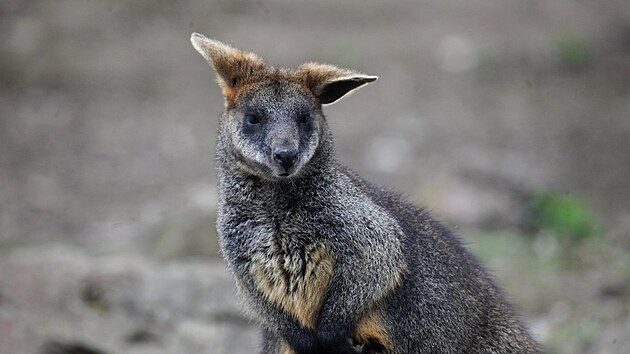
510 119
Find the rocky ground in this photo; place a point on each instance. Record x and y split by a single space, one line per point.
57 300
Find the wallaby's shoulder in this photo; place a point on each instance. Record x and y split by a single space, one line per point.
397 204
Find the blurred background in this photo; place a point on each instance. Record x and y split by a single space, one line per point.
509 119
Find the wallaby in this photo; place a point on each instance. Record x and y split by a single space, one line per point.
327 262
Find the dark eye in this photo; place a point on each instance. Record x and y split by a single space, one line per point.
304 118
252 119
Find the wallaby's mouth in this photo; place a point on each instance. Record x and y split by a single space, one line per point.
284 173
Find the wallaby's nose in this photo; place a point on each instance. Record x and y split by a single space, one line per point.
286 157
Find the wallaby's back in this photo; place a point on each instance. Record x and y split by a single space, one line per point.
325 261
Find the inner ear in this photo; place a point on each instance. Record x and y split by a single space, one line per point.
334 90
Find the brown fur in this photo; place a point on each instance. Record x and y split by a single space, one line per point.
237 70
285 349
282 282
370 328
314 75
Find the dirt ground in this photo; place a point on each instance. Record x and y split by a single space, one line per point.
483 108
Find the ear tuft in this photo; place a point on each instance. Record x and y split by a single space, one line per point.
330 83
234 67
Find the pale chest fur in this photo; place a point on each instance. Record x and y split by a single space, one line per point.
292 273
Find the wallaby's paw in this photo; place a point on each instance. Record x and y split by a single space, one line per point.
304 341
335 343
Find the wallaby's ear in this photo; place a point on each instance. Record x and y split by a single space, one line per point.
234 67
329 83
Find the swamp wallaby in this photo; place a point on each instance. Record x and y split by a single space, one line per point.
327 262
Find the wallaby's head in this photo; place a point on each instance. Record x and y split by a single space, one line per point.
273 119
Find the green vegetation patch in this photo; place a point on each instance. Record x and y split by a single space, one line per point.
573 52
562 215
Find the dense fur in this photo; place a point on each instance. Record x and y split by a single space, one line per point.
326 261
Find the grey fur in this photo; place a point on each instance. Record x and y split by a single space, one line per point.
390 260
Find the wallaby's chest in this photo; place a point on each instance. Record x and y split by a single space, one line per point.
291 270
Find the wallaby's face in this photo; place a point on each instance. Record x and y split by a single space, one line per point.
274 127
273 117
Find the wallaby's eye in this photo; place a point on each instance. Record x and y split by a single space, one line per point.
304 118
252 119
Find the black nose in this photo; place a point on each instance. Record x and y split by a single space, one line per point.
286 157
